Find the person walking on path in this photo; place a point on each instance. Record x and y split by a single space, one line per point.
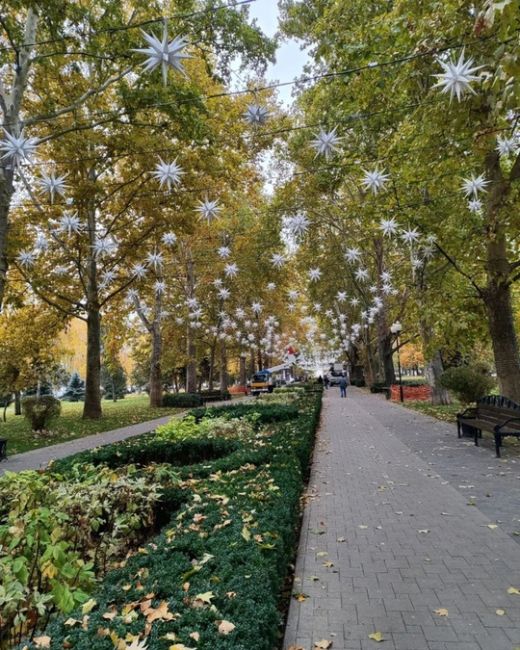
343 386
326 381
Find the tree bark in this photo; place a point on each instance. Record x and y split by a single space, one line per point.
191 366
92 406
17 403
504 340
243 370
223 368
252 363
155 366
433 366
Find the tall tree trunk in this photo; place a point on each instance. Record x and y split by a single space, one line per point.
252 363
211 376
12 100
191 366
223 368
433 366
17 403
155 366
92 405
243 371
504 340
260 361
384 336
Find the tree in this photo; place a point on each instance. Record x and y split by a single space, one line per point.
75 391
113 378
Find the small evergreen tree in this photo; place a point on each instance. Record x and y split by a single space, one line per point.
113 381
75 391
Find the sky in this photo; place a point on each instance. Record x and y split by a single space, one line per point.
289 58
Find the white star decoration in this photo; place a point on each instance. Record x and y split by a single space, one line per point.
231 270
52 184
155 259
26 258
224 252
256 114
341 296
475 206
375 180
164 53
507 146
314 274
457 77
159 287
474 185
388 227
224 293
326 143
208 209
139 271
410 236
103 247
352 254
297 225
277 260
169 238
271 286
17 148
168 174
361 274
69 223
256 307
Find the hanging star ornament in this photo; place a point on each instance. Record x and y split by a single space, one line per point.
164 53
277 260
224 252
155 259
18 149
168 174
208 210
475 206
474 185
314 274
507 146
375 180
169 238
388 227
326 142
457 77
69 224
103 247
26 258
52 184
352 254
231 270
297 225
256 114
139 271
410 236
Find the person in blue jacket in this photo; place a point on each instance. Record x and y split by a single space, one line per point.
343 386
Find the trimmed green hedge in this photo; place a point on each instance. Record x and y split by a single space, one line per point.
267 413
231 544
182 400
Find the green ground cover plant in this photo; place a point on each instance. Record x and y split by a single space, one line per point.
212 577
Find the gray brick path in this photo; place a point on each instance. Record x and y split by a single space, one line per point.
387 540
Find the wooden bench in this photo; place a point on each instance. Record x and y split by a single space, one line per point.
493 413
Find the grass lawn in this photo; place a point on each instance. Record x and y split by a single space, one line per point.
446 413
131 410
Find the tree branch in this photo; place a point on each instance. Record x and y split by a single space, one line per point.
468 277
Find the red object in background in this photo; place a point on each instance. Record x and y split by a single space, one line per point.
413 393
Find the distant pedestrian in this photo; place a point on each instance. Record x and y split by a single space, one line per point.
343 386
320 379
326 381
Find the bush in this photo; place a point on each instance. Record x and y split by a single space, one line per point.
215 395
40 410
75 391
266 412
181 400
467 383
224 556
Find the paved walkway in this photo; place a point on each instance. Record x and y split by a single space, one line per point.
390 543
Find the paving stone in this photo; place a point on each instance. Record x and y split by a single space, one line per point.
381 474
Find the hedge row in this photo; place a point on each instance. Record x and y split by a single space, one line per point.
212 579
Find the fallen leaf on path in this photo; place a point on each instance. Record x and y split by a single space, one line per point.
363 527
300 597
442 611
42 641
328 564
423 531
295 647
500 612
492 526
376 636
341 539
513 590
323 644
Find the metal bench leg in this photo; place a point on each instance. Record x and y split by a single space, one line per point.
477 431
498 443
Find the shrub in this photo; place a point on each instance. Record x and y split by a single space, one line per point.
467 383
75 391
263 413
224 556
181 400
40 410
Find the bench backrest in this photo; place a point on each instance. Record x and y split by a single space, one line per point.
496 408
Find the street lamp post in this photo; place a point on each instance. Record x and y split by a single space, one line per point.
396 328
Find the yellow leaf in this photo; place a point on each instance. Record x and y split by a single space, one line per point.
225 627
323 644
492 526
246 533
500 612
109 616
513 590
180 646
72 621
205 597
376 636
42 641
88 606
442 611
295 647
300 597
328 564
195 636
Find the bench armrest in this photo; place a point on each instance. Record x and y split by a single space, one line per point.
468 413
498 427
